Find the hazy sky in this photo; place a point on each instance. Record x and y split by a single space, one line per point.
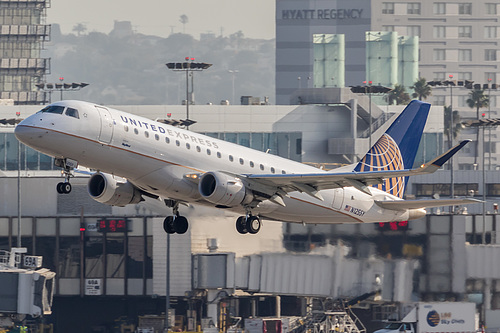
255 18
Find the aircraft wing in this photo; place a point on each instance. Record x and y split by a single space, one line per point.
311 183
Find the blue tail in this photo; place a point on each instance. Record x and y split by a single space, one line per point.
397 148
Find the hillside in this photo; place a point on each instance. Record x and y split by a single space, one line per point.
124 67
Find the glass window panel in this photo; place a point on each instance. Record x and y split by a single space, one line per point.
244 139
3 150
115 257
46 162
12 152
135 258
256 141
69 257
94 257
31 159
46 247
231 137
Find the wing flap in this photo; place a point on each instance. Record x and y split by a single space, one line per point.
402 205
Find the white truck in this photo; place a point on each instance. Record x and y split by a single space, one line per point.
438 317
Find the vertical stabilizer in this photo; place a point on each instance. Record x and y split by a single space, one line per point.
397 148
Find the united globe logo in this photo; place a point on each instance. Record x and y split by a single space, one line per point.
433 318
385 156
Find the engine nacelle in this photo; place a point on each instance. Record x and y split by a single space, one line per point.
113 191
224 190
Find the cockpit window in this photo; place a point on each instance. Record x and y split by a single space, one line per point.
72 113
53 109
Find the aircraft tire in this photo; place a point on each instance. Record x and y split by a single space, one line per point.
253 224
59 188
241 225
168 225
180 225
66 188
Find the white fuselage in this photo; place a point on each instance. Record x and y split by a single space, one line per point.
156 157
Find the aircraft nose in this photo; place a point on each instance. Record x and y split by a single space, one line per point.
26 133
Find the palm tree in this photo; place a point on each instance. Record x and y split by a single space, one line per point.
457 124
398 95
184 19
477 99
421 88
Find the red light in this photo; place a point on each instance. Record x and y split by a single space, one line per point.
192 59
61 78
187 58
403 223
82 229
483 115
489 80
450 76
370 82
393 225
364 82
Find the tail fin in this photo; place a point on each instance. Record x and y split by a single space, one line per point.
397 148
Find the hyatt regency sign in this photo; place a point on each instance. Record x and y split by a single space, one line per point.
321 14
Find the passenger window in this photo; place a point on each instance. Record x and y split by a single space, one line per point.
157 137
283 172
136 131
146 134
231 158
262 167
242 161
178 143
53 109
219 155
167 140
209 152
198 149
125 128
188 146
272 170
252 164
72 113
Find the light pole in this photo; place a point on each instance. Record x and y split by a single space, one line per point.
233 72
50 87
452 183
188 66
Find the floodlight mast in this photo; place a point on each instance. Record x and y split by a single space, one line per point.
188 66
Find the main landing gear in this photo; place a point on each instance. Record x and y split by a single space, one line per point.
68 166
248 224
176 223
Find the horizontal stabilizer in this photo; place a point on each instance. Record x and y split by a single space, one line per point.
417 204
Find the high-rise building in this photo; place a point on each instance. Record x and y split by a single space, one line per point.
22 34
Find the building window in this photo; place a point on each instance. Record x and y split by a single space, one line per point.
490 55
439 8
413 30
490 32
490 77
465 75
462 101
491 8
465 31
439 31
439 100
439 76
388 8
465 55
427 190
439 54
388 28
465 8
413 8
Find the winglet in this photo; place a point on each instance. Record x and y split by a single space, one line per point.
442 159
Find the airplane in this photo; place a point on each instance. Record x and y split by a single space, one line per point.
135 158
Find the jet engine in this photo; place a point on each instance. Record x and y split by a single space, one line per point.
112 190
223 189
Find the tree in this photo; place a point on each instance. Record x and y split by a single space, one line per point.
79 29
421 88
457 124
398 95
477 99
184 19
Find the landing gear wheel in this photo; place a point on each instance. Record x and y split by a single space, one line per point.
253 224
180 225
168 225
63 188
241 225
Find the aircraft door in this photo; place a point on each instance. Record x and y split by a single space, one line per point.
106 133
338 198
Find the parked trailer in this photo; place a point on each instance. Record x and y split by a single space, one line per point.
438 317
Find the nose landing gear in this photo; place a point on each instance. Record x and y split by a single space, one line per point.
67 166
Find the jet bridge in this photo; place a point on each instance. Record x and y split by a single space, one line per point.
26 288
